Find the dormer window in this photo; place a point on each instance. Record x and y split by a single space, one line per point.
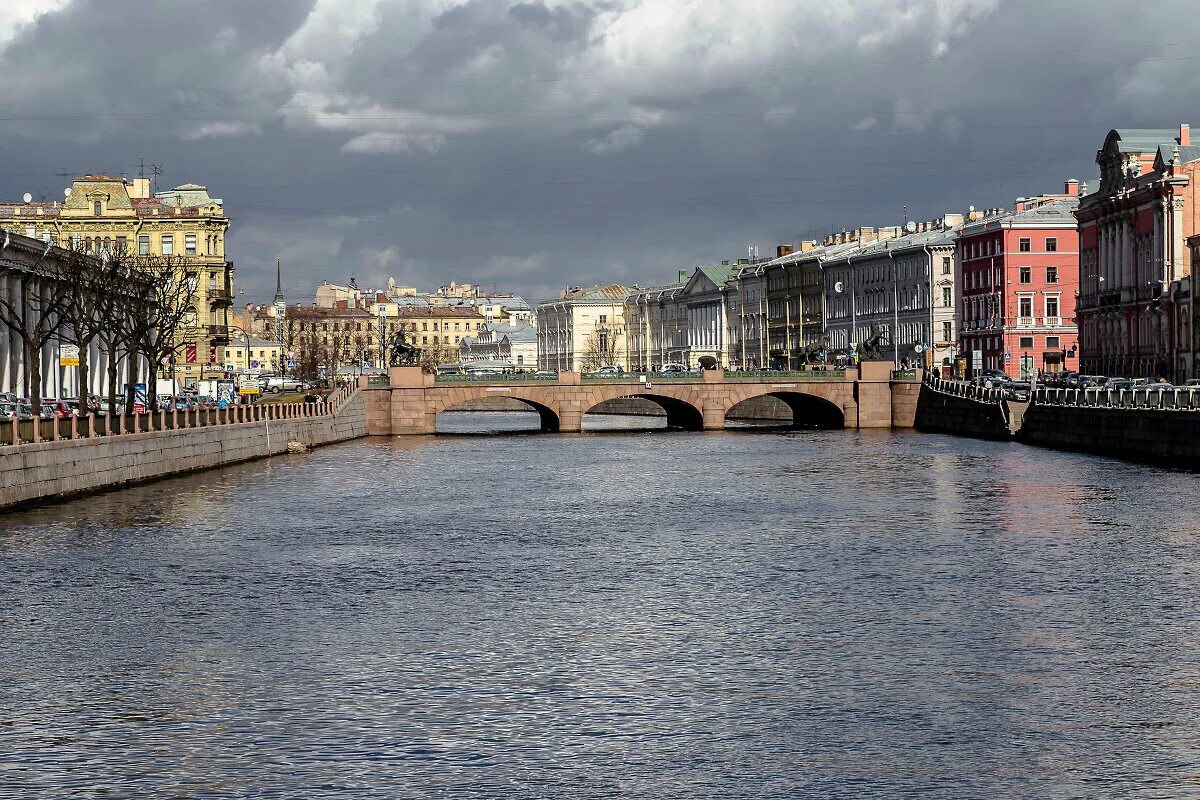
98 205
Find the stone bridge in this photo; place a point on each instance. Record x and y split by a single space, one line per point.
867 397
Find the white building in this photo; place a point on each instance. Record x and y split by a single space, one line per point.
510 345
26 269
583 330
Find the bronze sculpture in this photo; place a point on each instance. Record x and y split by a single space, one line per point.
400 352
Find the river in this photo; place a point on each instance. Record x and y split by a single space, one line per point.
825 614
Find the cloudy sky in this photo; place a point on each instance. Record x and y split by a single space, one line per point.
540 143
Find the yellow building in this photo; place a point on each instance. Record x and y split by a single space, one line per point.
106 214
263 355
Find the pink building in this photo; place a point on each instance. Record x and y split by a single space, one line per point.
1019 274
1134 257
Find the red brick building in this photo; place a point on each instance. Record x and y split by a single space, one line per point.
1133 255
1017 282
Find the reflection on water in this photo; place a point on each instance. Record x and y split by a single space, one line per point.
821 614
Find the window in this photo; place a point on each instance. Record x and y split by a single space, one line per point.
120 244
947 297
946 265
424 340
445 340
1025 305
1026 342
143 245
1026 274
1052 306
168 245
1025 245
1051 245
603 319
1051 274
189 244
947 331
1053 343
424 326
98 208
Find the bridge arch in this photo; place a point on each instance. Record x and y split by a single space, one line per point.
681 414
548 417
808 410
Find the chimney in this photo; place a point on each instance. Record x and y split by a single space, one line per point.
807 245
1020 205
784 250
1072 188
1185 134
140 189
682 276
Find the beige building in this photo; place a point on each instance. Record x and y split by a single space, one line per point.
583 330
103 214
262 354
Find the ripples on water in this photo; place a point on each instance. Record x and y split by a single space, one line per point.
818 614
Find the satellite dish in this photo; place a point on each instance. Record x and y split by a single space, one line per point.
27 197
911 227
838 287
67 192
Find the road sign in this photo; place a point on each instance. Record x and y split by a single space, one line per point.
245 390
291 364
1008 356
189 353
255 364
68 355
918 348
976 360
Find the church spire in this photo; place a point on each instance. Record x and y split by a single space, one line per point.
278 282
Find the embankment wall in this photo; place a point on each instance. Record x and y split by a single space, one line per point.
45 471
937 412
1140 434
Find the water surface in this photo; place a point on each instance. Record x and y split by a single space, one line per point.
823 614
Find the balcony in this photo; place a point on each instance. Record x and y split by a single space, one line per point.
1025 322
220 298
1052 322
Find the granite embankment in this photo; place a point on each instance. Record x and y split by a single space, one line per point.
943 412
1165 435
1158 435
58 470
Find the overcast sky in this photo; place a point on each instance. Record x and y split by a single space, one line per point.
535 144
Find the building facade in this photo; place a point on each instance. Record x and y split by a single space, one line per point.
29 270
1132 250
1018 279
183 227
583 330
510 345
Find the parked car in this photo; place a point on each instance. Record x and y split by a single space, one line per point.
9 409
1016 390
993 378
672 367
277 385
52 408
545 373
608 370
483 371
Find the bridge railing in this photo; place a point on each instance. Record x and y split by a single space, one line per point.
969 391
760 376
904 374
509 377
91 426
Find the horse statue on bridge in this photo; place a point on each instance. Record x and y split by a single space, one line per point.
401 353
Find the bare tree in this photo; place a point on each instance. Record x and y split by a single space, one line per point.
34 310
163 307
96 290
599 350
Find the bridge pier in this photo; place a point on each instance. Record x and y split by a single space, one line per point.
570 421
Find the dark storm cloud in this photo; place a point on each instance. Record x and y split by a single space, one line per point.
536 144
